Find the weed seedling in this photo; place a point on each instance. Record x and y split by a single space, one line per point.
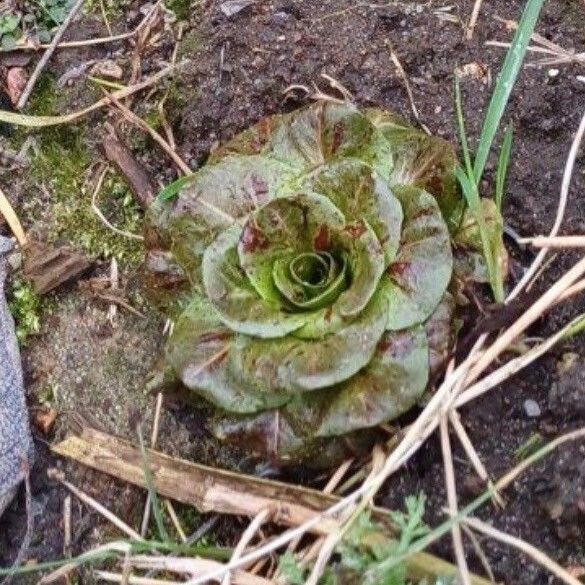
470 175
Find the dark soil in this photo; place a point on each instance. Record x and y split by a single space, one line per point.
239 68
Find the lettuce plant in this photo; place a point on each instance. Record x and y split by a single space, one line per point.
309 270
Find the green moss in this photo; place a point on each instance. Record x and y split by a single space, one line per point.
182 8
62 165
112 8
26 307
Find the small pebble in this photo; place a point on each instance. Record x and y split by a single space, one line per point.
531 408
553 72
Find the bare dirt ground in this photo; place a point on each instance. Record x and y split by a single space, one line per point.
237 69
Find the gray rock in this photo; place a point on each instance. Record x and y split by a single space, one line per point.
15 438
531 408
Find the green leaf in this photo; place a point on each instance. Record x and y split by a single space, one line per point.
505 83
281 230
419 276
290 569
9 23
391 383
299 365
44 36
419 160
8 42
236 301
366 262
305 295
173 189
359 192
57 14
502 171
474 237
203 353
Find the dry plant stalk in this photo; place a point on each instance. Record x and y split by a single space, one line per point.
137 121
473 19
534 553
101 216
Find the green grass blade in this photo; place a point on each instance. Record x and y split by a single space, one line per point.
83 559
503 162
172 190
461 127
136 546
155 504
505 83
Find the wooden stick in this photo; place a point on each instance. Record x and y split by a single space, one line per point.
47 55
133 172
226 492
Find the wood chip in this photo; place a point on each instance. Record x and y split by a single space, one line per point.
48 269
44 420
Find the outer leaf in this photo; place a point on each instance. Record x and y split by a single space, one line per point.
360 192
201 352
236 301
299 365
248 142
420 160
282 229
440 333
422 270
269 434
388 386
320 133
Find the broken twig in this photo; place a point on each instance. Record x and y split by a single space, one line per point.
133 172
